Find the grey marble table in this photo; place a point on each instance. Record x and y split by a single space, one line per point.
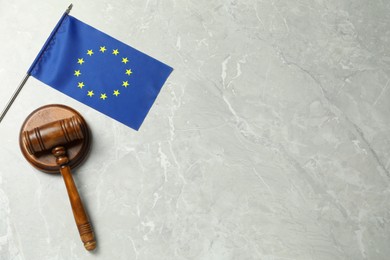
270 140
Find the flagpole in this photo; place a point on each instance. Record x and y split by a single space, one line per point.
12 99
23 82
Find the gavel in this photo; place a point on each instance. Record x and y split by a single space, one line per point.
55 137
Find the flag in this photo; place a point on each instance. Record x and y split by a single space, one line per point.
100 71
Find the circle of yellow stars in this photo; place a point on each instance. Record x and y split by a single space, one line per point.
91 93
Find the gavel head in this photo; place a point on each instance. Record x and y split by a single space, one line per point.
58 133
50 129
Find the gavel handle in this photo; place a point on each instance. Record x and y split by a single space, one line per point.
83 224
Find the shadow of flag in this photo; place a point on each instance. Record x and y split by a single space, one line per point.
100 71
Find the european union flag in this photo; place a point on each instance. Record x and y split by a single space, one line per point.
100 71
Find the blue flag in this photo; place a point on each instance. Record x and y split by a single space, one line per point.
100 71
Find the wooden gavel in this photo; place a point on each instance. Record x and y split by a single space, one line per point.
55 137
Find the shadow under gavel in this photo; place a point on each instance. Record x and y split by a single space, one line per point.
54 137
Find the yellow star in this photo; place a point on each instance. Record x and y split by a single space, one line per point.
80 61
103 96
116 93
89 52
81 85
77 73
115 52
102 49
125 84
125 60
90 93
128 72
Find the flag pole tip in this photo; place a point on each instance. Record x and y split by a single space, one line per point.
69 8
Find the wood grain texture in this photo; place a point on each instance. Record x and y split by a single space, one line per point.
80 216
48 119
56 138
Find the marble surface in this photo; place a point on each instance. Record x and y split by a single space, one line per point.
270 140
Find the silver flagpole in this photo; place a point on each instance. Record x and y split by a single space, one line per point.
12 99
16 93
